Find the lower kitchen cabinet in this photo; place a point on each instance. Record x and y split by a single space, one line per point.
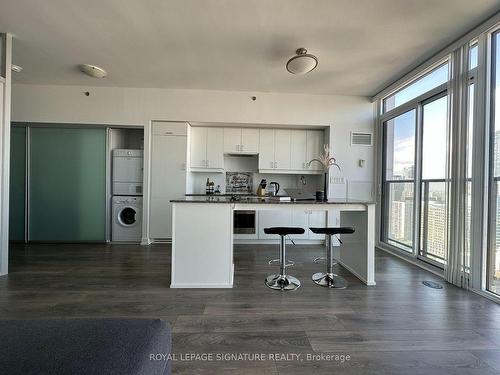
303 219
268 219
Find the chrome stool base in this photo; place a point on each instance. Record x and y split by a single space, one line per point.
329 280
282 282
289 263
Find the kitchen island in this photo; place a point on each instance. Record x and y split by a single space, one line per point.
202 237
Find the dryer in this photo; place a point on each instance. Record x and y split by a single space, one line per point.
127 219
127 171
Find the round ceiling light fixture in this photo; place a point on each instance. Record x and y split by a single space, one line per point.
302 63
93 70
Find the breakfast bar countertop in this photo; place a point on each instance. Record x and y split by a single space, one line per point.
262 200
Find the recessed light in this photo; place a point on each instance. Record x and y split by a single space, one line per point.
16 68
93 70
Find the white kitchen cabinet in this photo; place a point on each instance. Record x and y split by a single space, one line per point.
274 149
315 140
215 146
198 146
298 146
206 145
232 140
249 141
282 148
300 218
270 218
168 175
266 149
241 141
316 219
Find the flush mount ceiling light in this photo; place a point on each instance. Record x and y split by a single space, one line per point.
92 70
16 68
302 63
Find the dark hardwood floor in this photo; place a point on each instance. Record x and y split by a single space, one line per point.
397 327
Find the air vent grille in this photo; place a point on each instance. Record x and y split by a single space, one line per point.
361 139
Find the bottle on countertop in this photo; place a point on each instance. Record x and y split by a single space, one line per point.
207 187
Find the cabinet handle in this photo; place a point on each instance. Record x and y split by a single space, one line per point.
207 163
275 164
272 165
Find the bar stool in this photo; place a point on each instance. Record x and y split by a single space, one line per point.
329 279
282 281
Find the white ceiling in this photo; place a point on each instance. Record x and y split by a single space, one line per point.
361 45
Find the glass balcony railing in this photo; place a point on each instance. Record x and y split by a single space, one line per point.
399 214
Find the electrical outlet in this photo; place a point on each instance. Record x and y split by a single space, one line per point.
337 180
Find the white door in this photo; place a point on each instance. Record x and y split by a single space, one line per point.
298 143
317 219
215 148
168 181
232 140
266 149
279 218
314 148
198 147
282 148
300 218
250 141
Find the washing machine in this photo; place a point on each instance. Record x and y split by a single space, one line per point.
127 219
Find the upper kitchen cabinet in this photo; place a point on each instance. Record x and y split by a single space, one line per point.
241 141
289 151
206 148
298 158
315 141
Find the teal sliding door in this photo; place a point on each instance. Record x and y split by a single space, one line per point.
17 192
67 187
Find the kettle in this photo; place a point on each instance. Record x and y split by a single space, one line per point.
273 188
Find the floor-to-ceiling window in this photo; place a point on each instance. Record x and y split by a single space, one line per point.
442 203
493 256
433 209
399 179
415 134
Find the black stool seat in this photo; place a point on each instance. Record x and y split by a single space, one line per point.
283 231
337 230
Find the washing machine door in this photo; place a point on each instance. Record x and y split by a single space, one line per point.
127 216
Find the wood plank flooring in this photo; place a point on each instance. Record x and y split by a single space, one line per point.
396 327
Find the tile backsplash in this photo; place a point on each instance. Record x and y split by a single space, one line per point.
250 164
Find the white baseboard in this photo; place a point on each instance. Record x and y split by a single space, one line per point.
201 286
355 273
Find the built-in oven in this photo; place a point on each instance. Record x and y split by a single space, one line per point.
245 222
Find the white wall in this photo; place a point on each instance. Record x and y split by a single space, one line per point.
136 106
5 112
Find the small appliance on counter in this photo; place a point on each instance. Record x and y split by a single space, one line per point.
272 189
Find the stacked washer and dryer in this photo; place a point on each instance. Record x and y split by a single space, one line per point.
126 203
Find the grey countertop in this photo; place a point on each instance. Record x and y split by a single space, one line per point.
259 200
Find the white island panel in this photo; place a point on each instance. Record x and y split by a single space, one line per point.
202 246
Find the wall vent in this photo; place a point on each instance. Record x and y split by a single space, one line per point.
361 139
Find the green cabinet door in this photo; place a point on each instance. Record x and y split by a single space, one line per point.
17 192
